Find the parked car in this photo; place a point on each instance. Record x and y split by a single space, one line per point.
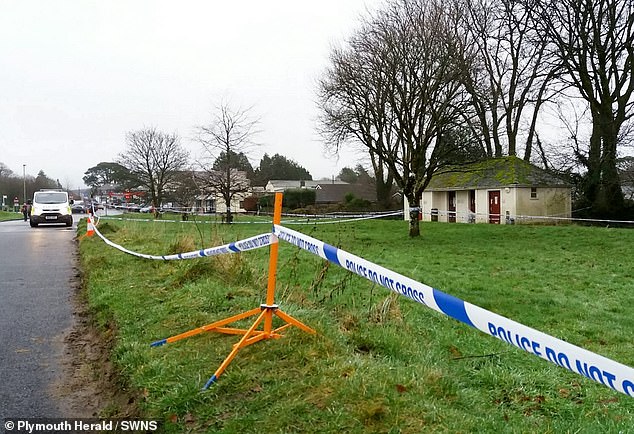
147 209
78 208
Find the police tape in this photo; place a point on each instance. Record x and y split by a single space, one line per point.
343 219
193 221
470 216
340 214
294 219
576 359
251 243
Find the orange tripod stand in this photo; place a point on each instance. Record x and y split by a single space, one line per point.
264 314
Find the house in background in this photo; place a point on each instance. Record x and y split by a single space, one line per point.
500 190
327 193
215 204
210 198
280 185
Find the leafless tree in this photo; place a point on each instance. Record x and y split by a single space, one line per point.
394 89
354 95
594 42
511 75
230 133
572 152
626 173
183 190
155 159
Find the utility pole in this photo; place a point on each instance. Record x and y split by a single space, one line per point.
24 180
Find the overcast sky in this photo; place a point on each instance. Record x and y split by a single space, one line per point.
77 75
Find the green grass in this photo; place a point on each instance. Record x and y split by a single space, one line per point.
6 215
380 362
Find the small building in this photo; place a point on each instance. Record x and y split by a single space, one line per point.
281 185
327 193
500 190
213 182
215 204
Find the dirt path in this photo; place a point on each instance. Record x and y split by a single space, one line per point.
89 386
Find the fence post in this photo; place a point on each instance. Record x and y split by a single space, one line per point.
270 288
264 314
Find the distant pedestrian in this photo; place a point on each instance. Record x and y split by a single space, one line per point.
25 211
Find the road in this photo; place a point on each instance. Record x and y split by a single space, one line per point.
37 266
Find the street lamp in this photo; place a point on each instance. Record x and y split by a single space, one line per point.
24 180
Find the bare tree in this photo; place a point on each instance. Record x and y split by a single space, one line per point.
511 75
394 89
354 97
155 159
626 173
183 190
230 133
571 153
594 42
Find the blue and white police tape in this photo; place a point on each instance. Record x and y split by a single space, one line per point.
251 243
576 359
342 219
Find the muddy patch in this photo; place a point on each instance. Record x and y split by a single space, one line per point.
89 386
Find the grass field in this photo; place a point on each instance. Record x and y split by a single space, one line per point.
379 362
6 215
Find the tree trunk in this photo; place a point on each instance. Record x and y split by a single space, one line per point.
383 186
155 210
592 181
414 210
384 190
512 138
610 200
228 180
228 215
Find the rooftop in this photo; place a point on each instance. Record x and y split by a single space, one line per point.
495 172
335 193
284 184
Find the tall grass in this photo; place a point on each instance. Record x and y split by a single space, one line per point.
379 363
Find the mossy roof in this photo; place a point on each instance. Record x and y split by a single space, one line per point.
492 173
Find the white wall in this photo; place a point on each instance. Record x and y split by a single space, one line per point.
554 202
235 203
516 201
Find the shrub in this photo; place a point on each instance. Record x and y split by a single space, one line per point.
299 198
267 202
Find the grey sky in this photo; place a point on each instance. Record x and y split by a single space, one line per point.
77 75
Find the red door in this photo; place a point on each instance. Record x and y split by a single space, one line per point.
494 207
451 206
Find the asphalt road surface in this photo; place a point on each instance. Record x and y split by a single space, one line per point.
37 266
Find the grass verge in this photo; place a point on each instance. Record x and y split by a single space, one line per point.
6 216
379 363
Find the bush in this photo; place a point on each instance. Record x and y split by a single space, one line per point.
299 198
267 202
354 203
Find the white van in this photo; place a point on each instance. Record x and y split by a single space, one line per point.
51 206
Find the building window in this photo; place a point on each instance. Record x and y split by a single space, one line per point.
533 193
